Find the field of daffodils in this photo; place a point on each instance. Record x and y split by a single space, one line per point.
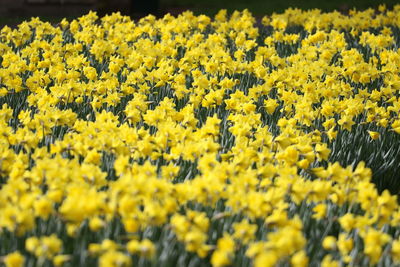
198 141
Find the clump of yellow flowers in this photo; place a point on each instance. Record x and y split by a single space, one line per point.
198 141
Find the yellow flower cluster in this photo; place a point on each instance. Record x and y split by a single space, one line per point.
204 141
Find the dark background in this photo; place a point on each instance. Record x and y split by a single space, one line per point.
12 12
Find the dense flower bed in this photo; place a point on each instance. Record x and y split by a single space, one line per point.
191 141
